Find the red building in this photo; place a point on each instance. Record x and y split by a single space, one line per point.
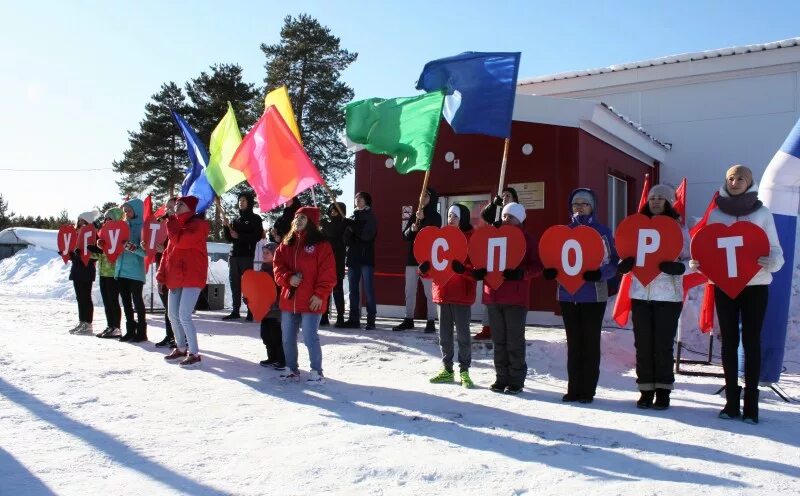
556 146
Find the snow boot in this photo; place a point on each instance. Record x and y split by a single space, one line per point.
130 332
486 333
352 323
498 387
141 333
662 399
514 390
750 410
569 398
646 399
339 322
733 396
404 325
430 327
444 376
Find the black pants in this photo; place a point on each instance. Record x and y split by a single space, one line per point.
109 291
749 308
655 324
236 267
508 337
83 293
338 298
165 301
131 292
583 323
271 337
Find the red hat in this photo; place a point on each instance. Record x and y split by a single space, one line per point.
312 213
189 201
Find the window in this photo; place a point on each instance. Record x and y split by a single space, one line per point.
617 201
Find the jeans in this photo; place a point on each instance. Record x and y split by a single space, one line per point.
181 306
355 275
309 322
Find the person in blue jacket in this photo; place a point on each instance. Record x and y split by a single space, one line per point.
129 272
583 311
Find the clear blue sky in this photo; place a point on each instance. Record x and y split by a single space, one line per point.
75 75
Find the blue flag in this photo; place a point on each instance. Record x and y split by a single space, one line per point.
195 182
480 90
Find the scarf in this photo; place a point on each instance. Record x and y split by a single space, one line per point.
739 205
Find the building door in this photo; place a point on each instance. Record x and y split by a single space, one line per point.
475 203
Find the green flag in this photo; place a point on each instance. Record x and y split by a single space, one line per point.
404 128
224 141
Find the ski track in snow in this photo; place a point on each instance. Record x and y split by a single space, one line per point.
80 415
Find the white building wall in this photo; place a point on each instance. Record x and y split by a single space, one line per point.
716 112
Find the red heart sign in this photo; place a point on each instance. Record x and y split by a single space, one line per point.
496 249
87 236
114 234
67 240
154 233
440 246
650 241
571 251
259 289
728 255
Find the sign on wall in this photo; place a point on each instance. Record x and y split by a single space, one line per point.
531 195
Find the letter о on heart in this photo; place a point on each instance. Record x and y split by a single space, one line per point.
571 251
650 241
440 246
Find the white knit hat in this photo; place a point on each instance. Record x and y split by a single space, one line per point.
90 216
516 210
663 191
454 210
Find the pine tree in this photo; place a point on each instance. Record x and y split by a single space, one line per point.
5 215
156 159
309 61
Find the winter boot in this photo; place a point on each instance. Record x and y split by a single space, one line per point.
662 399
232 316
324 321
498 387
466 380
370 323
352 323
430 327
646 399
750 410
569 398
444 376
141 333
405 324
733 396
339 322
511 389
249 317
486 333
130 332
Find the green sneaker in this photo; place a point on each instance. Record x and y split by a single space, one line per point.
466 381
442 377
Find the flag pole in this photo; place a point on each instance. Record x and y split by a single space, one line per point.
333 198
502 175
220 210
422 193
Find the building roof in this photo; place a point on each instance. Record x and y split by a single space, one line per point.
670 59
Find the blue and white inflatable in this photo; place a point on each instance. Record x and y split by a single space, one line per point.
780 191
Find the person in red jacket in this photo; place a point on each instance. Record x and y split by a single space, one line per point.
455 298
508 307
305 269
183 271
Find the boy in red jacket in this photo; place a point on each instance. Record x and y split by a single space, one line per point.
455 298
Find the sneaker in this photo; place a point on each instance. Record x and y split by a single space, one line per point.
444 376
279 366
191 359
232 316
315 377
85 330
404 325
103 332
292 376
78 329
267 363
430 327
498 387
466 381
165 343
646 400
514 390
569 398
486 333
72 331
110 332
176 354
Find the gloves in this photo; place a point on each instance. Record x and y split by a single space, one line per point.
94 249
479 274
625 265
498 201
672 268
424 267
458 267
592 275
513 274
549 274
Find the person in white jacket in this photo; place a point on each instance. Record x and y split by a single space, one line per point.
656 309
738 201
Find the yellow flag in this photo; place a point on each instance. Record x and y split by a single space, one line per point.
224 141
280 98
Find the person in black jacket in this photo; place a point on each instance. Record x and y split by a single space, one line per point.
429 216
283 224
271 323
244 233
359 237
333 229
82 277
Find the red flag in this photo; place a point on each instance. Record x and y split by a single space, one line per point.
706 320
622 305
147 215
680 201
274 162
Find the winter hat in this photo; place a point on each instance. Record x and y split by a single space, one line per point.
585 195
741 170
90 216
312 213
454 210
663 191
189 201
114 213
516 210
366 196
342 206
271 246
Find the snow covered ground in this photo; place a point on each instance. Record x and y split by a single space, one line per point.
85 416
